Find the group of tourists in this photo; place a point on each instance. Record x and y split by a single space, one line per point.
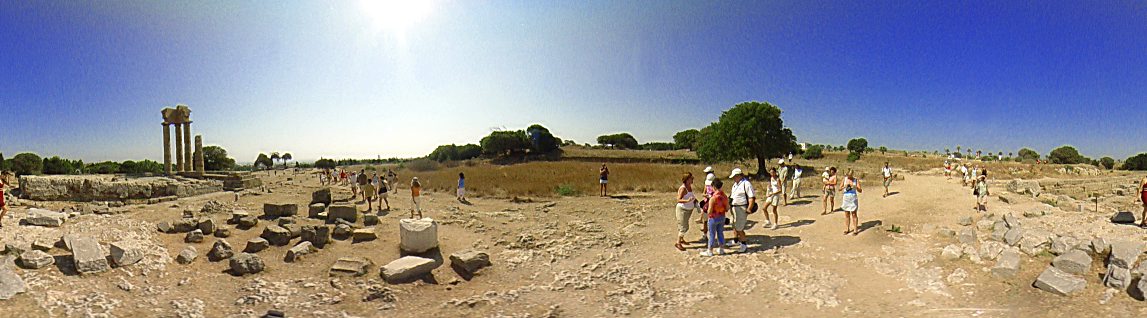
850 190
972 176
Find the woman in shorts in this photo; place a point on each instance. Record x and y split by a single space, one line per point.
850 204
773 198
829 180
383 192
415 193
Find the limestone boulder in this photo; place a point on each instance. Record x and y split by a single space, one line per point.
43 244
221 250
1027 187
248 222
370 219
345 212
41 217
318 235
351 266
1100 246
965 221
10 283
407 269
35 259
967 235
1007 264
126 253
342 231
207 225
1056 281
315 211
322 196
1011 221
1073 262
187 255
222 232
271 210
277 235
991 250
256 245
1013 236
418 235
363 235
297 252
88 256
1117 277
469 261
195 236
246 263
951 252
1125 253
237 215
1063 244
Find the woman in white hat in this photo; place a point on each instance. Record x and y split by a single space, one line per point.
709 191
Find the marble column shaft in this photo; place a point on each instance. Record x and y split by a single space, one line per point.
179 149
199 164
167 148
187 146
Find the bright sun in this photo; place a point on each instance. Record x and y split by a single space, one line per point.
396 15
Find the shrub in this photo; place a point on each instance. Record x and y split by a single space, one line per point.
853 157
687 139
1136 162
814 152
1107 162
566 190
503 143
422 165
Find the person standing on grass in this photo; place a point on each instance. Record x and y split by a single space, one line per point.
980 190
603 179
849 204
718 206
829 180
383 192
461 187
1142 200
686 203
795 192
783 176
887 173
3 199
415 192
773 197
743 197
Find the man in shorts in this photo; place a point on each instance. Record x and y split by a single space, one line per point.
887 173
368 191
743 197
360 182
783 176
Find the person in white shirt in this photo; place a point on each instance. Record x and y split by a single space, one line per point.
742 195
964 171
887 172
773 198
795 192
783 174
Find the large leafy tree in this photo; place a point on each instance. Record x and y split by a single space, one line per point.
1136 162
541 140
1107 162
686 139
621 141
856 147
505 142
263 160
286 157
27 163
1066 155
274 158
748 130
215 159
1027 154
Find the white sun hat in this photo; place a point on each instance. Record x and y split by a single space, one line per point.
735 173
708 169
780 161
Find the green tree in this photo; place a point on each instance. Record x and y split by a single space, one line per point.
325 164
1107 162
813 152
687 139
263 160
541 140
215 159
505 143
658 146
1136 162
106 167
748 130
4 165
274 158
1027 154
620 141
140 167
27 163
1066 155
469 151
286 157
57 165
883 149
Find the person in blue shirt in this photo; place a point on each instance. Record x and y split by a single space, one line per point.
461 187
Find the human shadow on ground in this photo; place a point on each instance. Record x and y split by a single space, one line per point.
868 225
796 224
892 193
759 243
620 197
801 202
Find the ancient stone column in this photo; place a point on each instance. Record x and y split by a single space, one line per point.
187 146
199 155
178 149
167 148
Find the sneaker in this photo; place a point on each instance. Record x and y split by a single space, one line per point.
720 251
706 253
774 227
743 248
730 243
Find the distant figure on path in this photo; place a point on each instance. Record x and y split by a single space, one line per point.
849 204
783 175
948 169
980 190
743 197
383 192
461 187
361 181
603 179
392 178
368 190
415 192
3 202
887 173
1142 200
773 197
964 172
718 206
795 192
686 203
829 181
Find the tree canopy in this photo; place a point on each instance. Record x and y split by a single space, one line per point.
1107 162
27 163
215 159
687 139
541 140
748 130
1027 154
505 142
620 141
1136 162
325 164
454 152
1066 155
263 160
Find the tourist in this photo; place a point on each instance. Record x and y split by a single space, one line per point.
383 191
743 198
1142 200
603 179
795 192
718 206
415 192
361 180
368 190
948 169
710 176
342 176
829 180
849 204
3 192
461 187
980 190
686 203
964 172
783 174
887 173
392 178
773 197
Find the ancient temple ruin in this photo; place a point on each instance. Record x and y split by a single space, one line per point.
180 117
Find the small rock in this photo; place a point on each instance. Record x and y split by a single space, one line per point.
1073 262
10 283
1117 277
1123 217
990 250
41 217
406 269
183 226
322 196
195 236
363 235
370 219
1012 221
342 231
35 259
207 225
967 236
342 212
965 221
1063 244
248 222
351 266
222 232
318 235
280 210
1013 236
237 215
952 252
42 244
125 253
1007 264
1100 246
277 235
469 261
87 254
1125 253
256 245
297 252
374 292
958 276
221 250
316 210
985 225
1058 282
246 263
286 220
188 255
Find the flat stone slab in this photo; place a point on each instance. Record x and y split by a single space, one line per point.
342 211
35 259
10 283
41 217
363 235
406 269
1125 253
469 261
88 255
1073 262
280 210
1058 282
1013 236
297 252
351 266
126 253
1007 264
418 235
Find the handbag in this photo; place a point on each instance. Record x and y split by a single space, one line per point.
752 208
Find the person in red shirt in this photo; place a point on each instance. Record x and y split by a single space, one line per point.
718 205
3 192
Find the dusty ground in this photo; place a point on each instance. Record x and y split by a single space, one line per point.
585 257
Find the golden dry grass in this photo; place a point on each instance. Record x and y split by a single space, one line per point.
583 152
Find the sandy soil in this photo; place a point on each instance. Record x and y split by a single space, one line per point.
584 257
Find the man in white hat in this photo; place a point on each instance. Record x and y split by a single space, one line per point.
783 175
743 197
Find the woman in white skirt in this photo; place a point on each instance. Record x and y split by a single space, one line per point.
851 188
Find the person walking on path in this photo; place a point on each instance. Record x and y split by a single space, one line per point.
718 206
461 187
948 169
1142 200
392 178
829 181
980 190
361 181
3 193
773 197
368 190
964 172
795 192
383 193
415 193
887 173
603 179
783 177
743 198
686 203
849 204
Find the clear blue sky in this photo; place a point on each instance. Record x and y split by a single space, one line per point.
358 79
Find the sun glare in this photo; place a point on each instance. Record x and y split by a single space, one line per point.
396 15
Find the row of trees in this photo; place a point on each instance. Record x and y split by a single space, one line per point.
268 162
32 164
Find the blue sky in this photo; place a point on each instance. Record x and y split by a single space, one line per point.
356 79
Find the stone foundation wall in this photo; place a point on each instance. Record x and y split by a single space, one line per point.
111 188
